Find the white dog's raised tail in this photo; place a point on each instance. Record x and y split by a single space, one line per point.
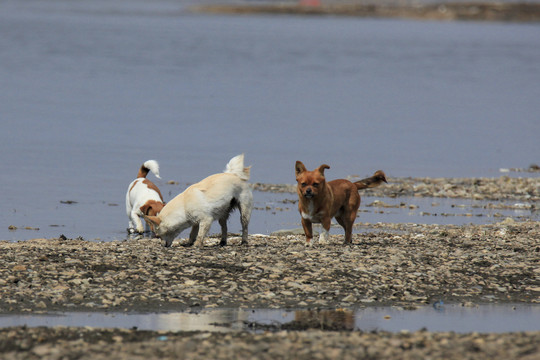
236 166
149 165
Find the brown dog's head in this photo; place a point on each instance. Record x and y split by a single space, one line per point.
310 183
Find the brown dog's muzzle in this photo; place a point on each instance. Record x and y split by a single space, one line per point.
308 193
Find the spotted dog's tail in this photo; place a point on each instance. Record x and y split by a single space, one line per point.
150 165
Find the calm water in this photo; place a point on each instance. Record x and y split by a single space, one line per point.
484 319
91 89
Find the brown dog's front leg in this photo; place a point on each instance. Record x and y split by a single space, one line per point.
306 224
326 223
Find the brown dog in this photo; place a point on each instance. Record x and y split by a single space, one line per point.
319 201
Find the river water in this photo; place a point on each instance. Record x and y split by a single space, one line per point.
91 89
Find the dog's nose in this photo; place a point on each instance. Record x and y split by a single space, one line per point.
308 191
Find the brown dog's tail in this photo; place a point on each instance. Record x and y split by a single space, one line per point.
372 181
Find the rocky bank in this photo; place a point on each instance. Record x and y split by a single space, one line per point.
406 265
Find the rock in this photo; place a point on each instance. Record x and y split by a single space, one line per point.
41 305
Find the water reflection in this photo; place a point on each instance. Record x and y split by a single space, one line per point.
322 319
483 318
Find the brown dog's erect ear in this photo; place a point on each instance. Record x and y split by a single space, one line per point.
322 167
299 168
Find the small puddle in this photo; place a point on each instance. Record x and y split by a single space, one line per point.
483 318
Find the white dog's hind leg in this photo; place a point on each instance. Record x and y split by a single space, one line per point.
131 227
136 220
246 205
223 223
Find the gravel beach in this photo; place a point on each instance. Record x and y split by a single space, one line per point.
389 264
86 343
406 265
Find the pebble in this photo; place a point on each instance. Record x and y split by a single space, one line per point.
87 343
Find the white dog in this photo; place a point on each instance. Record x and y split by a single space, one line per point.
143 197
210 199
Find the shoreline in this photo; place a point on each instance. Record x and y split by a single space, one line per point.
498 188
444 11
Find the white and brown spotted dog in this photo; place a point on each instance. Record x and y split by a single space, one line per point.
143 198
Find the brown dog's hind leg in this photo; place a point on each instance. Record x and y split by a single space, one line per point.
347 226
348 229
347 222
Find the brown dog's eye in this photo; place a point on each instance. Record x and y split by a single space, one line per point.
315 184
303 184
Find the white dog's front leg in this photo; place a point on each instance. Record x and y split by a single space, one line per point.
168 240
204 227
193 235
